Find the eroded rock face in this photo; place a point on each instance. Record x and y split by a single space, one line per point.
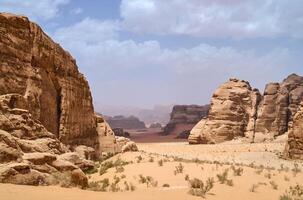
38 69
294 148
109 143
184 117
29 154
237 110
279 105
232 114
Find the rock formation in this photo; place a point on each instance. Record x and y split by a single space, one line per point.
278 106
125 122
30 154
37 68
48 130
109 143
184 117
294 147
237 110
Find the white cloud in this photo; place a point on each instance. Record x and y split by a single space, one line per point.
215 18
109 63
35 9
88 31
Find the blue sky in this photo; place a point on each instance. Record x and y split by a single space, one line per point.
149 52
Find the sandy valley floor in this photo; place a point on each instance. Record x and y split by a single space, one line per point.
157 163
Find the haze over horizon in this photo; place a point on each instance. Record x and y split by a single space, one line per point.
141 53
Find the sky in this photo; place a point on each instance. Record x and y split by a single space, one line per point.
143 53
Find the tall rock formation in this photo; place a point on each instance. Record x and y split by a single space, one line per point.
294 147
278 106
37 68
48 128
232 111
238 110
184 117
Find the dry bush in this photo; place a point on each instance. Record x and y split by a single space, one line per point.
254 188
296 169
222 178
165 185
179 169
160 163
139 159
99 185
237 171
199 188
274 185
294 193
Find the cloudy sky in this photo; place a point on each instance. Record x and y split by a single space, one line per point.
148 52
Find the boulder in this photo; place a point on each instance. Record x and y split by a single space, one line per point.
75 159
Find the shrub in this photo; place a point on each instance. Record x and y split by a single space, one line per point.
222 178
253 188
179 169
237 171
119 169
294 193
109 164
114 187
139 159
165 185
230 182
296 169
259 171
151 159
198 188
99 185
160 163
186 177
148 180
286 178
267 175
273 185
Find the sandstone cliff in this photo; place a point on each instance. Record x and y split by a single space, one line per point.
37 68
237 110
184 117
48 130
294 148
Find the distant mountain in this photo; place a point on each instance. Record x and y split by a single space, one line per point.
159 113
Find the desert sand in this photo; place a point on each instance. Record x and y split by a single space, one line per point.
199 161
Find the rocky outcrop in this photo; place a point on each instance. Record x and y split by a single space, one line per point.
294 147
237 110
184 117
232 111
37 68
48 130
278 106
125 122
29 153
